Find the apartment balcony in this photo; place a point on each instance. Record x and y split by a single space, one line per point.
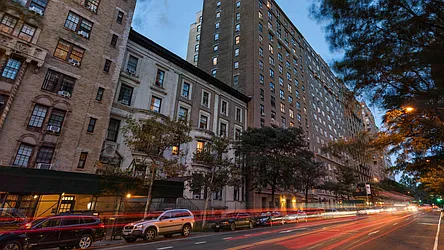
31 52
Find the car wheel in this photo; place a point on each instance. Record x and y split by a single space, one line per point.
251 225
232 226
12 245
186 230
168 235
85 241
130 240
150 234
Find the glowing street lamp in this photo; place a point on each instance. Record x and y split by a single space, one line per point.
409 109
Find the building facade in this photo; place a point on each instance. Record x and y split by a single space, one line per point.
194 40
154 80
255 48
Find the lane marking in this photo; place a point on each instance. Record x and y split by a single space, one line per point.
394 224
163 248
227 238
430 224
375 232
247 235
200 242
291 230
435 247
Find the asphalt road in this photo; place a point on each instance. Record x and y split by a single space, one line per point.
384 231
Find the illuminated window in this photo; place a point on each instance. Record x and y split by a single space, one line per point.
200 146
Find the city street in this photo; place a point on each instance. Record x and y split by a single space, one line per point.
384 231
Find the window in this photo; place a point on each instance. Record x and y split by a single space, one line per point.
291 113
270 48
273 102
69 52
271 60
271 73
272 87
289 88
119 17
235 80
284 122
196 57
224 108
261 52
113 129
237 27
236 52
160 77
261 79
99 94
238 16
262 109
218 4
214 61
218 15
58 83
299 117
107 65
215 48
298 105
280 57
281 94
78 24
213 72
183 113
236 65
261 39
223 129
260 27
291 124
270 25
280 69
237 40
56 121
262 122
273 115
238 4
156 104
131 66
198 28
45 155
175 150
290 99
82 160
114 40
23 155
288 76
38 6
281 81
91 125
38 116
216 37
287 63
205 99
262 94
203 122
261 65
237 134
196 48
27 32
11 69
125 95
270 37
186 89
238 114
282 108
200 146
8 23
197 37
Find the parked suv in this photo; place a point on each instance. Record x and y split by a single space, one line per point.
234 220
163 223
64 231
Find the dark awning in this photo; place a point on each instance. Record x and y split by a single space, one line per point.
40 181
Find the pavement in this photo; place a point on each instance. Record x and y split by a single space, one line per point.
404 231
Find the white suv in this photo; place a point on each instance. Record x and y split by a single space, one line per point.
162 223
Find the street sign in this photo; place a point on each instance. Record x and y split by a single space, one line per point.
368 189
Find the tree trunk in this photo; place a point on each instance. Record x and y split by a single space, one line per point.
207 200
273 190
306 197
150 189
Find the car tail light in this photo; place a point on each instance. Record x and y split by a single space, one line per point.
27 225
101 225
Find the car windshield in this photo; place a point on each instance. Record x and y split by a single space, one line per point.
152 216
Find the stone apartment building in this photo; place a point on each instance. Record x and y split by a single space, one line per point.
194 40
255 48
154 80
59 64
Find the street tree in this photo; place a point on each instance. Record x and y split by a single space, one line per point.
393 56
345 183
220 170
272 154
151 138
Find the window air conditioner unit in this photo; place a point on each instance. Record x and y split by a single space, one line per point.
53 129
74 62
36 10
131 72
83 33
124 102
64 93
196 196
43 166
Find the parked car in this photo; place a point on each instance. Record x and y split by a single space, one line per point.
295 216
270 218
11 218
314 212
330 213
234 220
64 231
162 223
13 241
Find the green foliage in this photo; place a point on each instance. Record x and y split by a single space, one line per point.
345 184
